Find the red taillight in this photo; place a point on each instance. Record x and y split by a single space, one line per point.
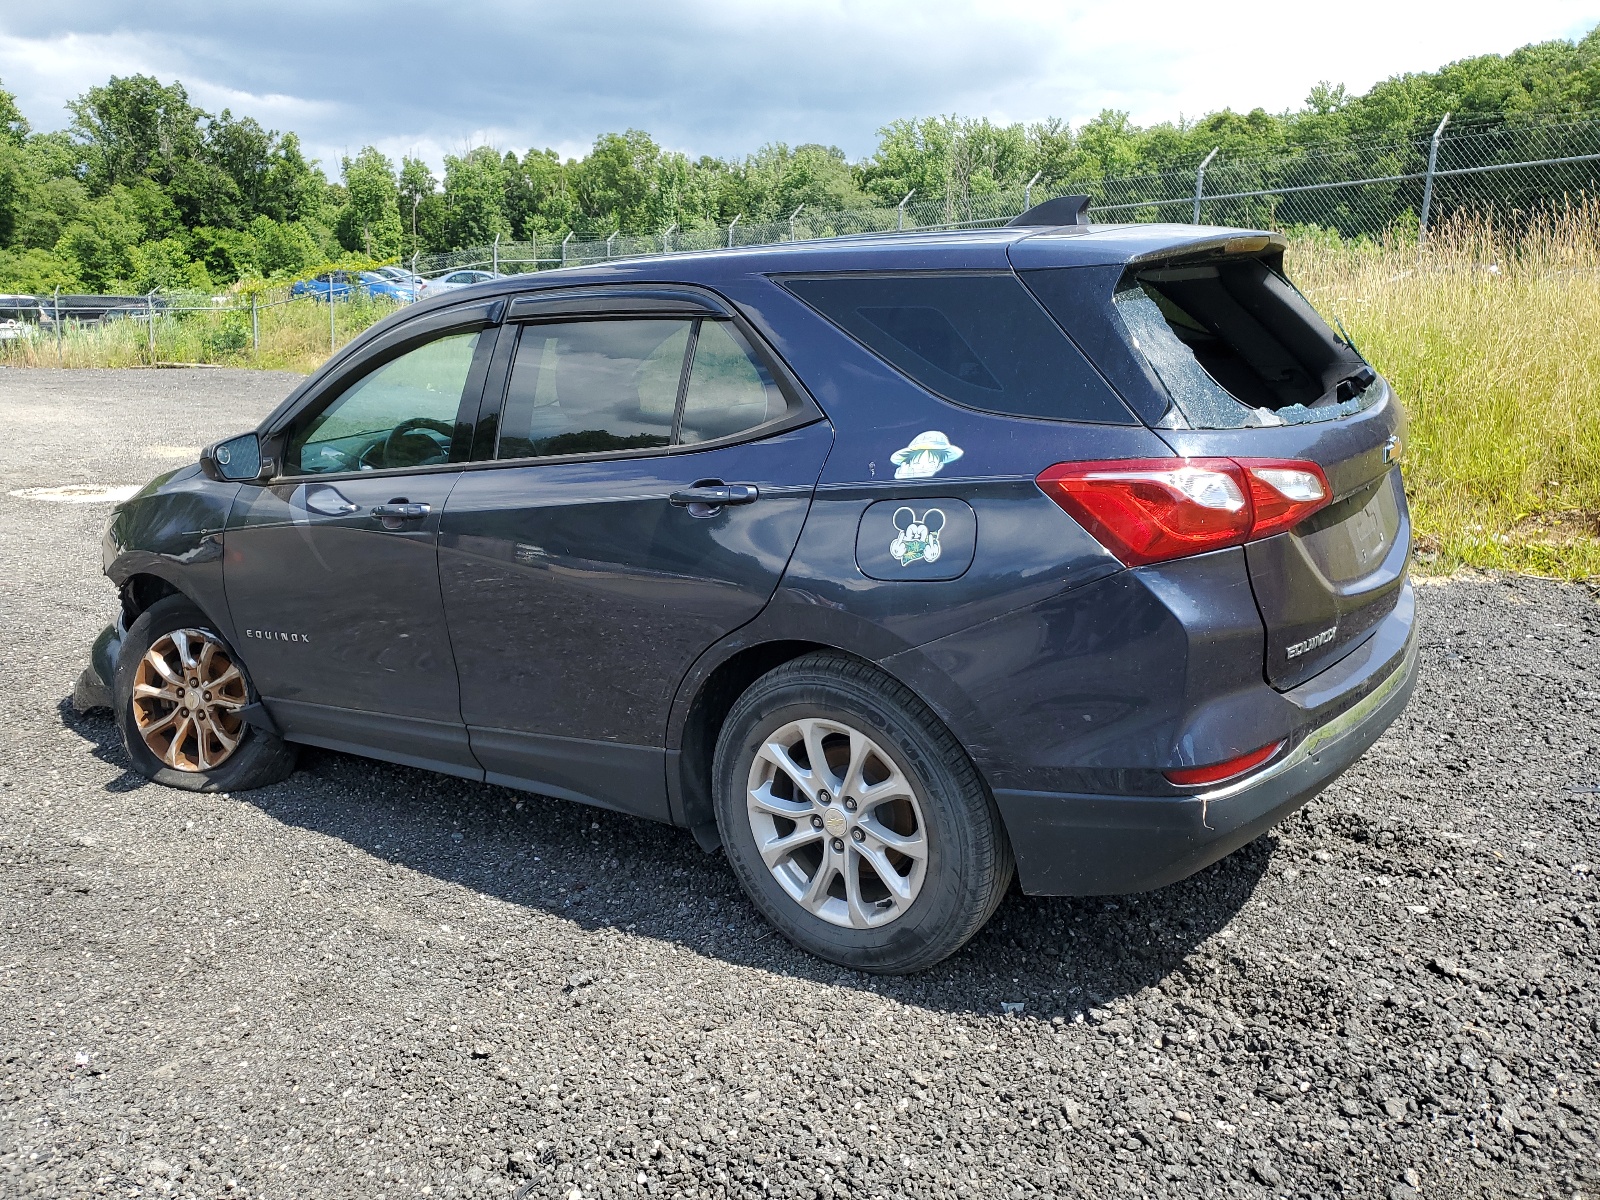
1149 510
1217 772
1283 493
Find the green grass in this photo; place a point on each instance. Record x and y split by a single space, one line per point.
294 336
1492 342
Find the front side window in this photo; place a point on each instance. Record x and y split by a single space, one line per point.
403 414
601 386
979 339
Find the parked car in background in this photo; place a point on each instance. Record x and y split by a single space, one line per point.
380 283
892 565
334 283
339 285
20 317
454 280
402 276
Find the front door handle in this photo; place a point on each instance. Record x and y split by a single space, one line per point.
714 495
400 510
327 501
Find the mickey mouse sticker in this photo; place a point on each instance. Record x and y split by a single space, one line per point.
919 536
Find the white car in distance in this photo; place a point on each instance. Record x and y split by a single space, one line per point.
454 280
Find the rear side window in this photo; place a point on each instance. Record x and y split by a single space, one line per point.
1236 345
587 387
980 340
590 387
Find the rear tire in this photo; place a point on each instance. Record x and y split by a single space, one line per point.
891 857
181 727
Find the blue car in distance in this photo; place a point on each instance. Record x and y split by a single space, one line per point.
381 283
339 284
898 567
334 283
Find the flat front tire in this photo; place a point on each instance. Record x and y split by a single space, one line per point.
853 818
179 696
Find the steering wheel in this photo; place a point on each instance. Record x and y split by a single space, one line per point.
417 442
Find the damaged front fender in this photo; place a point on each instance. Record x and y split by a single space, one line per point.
171 532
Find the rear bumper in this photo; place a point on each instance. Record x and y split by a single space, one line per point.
1095 845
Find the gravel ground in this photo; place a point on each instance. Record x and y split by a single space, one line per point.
370 981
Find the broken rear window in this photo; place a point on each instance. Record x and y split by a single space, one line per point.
1236 345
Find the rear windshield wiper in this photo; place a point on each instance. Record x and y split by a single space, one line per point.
1345 333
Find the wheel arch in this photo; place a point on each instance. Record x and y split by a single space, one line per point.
711 694
141 590
143 577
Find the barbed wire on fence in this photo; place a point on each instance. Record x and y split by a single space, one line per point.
1360 188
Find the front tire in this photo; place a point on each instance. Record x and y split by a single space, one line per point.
853 818
178 696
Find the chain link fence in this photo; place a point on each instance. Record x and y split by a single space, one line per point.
1514 172
1372 188
1356 189
271 326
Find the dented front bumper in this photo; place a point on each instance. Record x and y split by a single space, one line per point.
94 687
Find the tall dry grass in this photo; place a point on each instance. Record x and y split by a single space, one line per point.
1491 338
294 336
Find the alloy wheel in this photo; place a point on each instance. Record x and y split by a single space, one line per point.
187 697
837 823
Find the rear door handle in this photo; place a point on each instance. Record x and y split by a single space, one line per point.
714 495
401 510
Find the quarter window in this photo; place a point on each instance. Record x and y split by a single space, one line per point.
978 339
401 415
729 390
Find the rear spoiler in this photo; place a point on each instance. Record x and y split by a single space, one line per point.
1206 247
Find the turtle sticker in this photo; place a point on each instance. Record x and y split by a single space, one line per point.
925 457
919 536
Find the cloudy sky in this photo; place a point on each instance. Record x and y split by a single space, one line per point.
723 76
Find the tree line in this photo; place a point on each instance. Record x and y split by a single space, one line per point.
143 189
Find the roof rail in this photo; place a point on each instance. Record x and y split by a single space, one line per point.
1063 210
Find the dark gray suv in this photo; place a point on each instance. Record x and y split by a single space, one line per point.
895 566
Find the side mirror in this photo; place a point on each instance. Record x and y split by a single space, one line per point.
237 460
